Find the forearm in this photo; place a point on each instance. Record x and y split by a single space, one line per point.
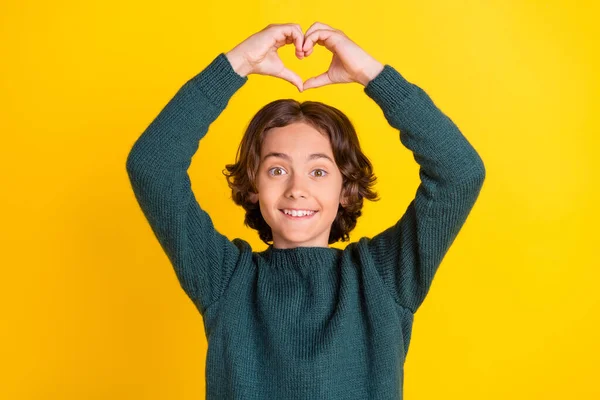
438 145
172 138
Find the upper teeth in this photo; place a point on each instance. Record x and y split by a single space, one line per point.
299 213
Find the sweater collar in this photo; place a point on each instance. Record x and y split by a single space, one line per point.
301 257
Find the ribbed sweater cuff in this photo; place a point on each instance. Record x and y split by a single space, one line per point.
218 81
389 88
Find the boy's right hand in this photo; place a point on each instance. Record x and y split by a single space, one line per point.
258 53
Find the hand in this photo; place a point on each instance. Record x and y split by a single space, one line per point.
258 53
350 63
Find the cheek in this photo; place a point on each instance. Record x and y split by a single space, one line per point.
268 194
335 189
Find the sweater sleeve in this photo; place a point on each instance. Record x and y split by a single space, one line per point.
157 164
408 254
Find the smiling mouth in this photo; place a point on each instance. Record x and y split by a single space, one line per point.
299 216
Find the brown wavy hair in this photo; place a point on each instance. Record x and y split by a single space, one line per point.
356 169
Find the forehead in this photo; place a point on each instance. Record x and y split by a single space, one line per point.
296 138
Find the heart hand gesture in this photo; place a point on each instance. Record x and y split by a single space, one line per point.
258 55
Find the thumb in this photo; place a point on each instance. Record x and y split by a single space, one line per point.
317 81
291 77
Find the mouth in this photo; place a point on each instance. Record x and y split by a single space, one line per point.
302 217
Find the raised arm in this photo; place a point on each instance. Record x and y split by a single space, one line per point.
157 166
408 254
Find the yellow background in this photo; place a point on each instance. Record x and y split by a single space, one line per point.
91 308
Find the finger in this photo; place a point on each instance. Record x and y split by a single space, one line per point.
315 26
317 81
299 41
311 29
323 37
291 77
290 33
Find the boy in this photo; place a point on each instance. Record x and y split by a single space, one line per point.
301 320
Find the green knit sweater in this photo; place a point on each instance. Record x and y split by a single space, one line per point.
306 322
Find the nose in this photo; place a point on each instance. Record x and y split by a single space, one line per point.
296 186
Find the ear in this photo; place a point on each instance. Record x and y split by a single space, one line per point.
253 197
343 199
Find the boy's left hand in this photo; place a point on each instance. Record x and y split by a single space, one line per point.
350 63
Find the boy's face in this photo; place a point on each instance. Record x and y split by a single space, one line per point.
301 182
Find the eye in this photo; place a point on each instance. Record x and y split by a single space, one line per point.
273 172
275 169
323 172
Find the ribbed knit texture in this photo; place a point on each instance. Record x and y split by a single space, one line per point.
308 322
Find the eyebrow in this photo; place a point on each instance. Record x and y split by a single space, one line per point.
314 156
